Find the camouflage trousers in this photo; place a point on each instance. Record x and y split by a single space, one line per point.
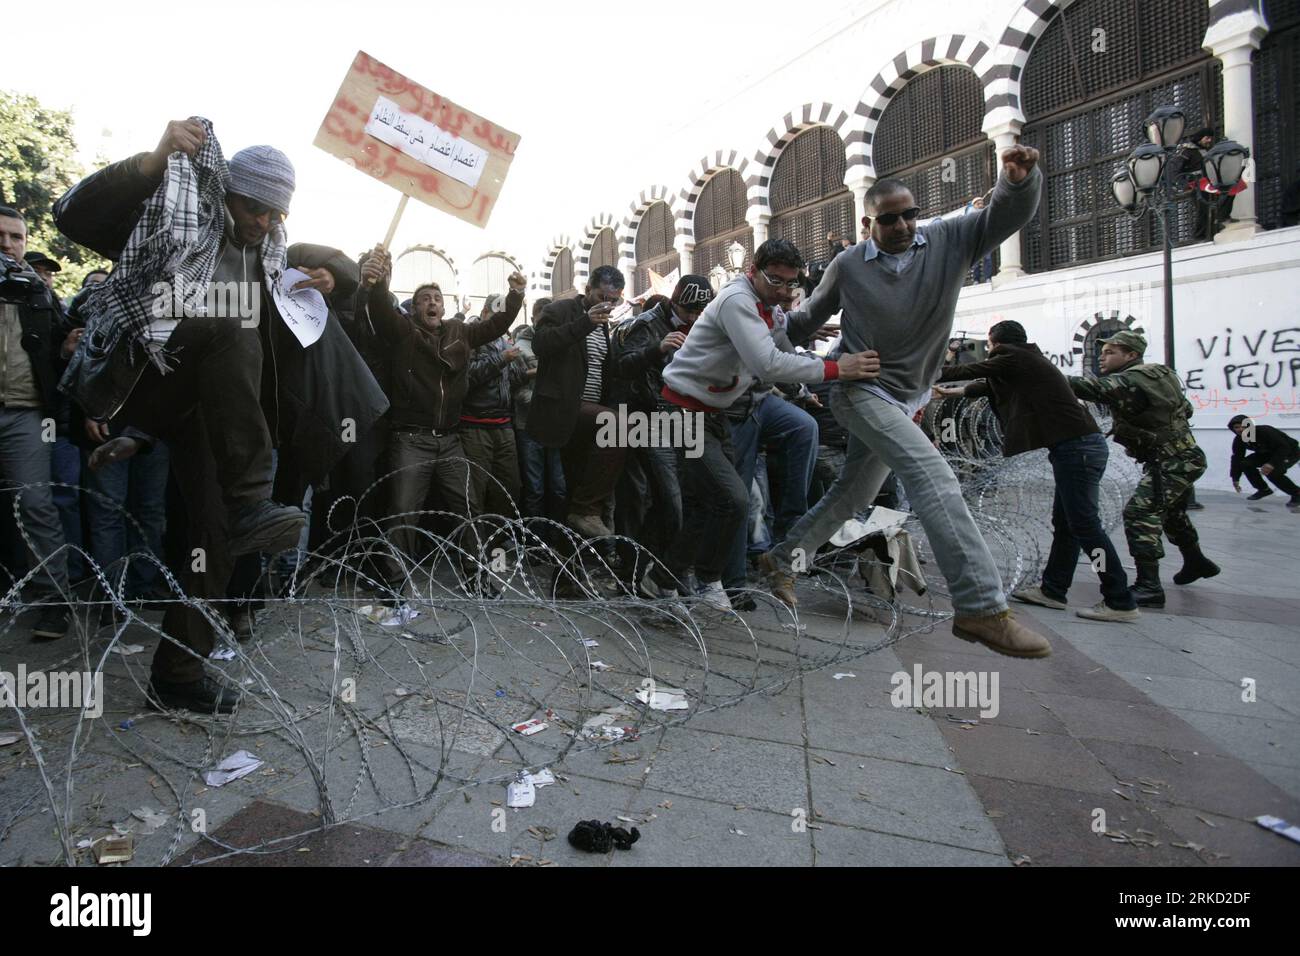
1159 504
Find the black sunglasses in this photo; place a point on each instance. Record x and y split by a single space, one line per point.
889 218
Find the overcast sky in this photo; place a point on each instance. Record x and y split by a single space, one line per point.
555 73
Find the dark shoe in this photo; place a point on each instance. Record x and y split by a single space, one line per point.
1294 502
1195 566
52 624
742 600
1262 493
1147 590
110 616
205 696
241 622
265 526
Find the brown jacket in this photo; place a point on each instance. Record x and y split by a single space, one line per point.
1031 397
429 366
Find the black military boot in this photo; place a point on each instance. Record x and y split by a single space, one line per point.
1147 590
1195 566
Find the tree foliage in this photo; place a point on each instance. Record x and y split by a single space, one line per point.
38 165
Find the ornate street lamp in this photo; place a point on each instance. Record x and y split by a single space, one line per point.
735 256
1165 126
1154 178
718 277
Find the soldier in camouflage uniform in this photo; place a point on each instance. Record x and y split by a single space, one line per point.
1151 423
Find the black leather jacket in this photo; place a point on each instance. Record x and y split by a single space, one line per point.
637 360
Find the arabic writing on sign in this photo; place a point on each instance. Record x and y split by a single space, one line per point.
425 142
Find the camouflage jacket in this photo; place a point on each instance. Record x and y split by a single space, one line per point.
1151 414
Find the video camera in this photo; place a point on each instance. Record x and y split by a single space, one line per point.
18 283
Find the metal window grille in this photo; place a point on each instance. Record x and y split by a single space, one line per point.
654 246
604 251
937 113
807 194
721 206
1086 94
562 273
1276 152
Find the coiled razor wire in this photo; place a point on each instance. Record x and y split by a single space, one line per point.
378 699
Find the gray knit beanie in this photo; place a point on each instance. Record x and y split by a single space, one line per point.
263 173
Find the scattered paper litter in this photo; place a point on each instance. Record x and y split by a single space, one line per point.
1280 827
600 666
842 676
126 650
219 653
606 724
114 849
9 739
399 616
521 793
239 764
665 698
527 728
152 819
588 642
542 778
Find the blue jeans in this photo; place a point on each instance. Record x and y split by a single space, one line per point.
793 432
883 438
136 488
66 467
541 466
1078 465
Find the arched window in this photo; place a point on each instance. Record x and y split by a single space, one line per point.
604 251
421 264
487 278
720 221
1095 74
562 274
654 246
808 195
1277 117
929 137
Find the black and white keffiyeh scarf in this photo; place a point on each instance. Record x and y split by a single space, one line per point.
166 266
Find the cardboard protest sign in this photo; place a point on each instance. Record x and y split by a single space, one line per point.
416 141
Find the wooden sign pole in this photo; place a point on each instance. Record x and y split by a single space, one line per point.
397 217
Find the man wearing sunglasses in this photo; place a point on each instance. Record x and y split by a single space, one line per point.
742 335
898 291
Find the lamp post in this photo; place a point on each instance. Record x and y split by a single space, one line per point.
1153 178
735 257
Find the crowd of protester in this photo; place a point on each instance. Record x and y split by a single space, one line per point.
223 450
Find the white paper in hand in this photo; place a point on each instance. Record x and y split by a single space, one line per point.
303 311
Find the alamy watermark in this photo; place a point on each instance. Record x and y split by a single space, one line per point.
628 428
221 300
955 689
53 689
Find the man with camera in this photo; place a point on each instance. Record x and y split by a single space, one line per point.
33 346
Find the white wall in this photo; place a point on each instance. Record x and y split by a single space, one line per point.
1236 323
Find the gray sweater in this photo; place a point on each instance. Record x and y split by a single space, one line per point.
907 317
731 344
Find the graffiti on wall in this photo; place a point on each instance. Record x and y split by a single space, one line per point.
1255 372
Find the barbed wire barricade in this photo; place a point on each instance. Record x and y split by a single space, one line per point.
369 695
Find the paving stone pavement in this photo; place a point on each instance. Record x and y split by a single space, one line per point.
1142 726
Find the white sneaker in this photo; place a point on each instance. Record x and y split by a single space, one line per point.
1101 612
713 597
1035 595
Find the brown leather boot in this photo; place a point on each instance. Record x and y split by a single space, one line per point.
1001 633
779 580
